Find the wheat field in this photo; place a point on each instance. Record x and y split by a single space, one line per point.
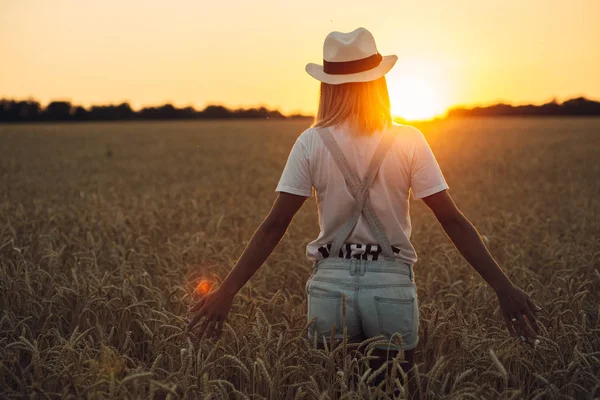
105 229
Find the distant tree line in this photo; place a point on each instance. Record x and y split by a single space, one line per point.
575 107
32 111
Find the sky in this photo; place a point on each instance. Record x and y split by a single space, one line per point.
243 53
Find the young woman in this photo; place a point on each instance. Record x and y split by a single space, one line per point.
363 167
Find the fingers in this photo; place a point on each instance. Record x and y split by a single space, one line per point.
519 314
194 321
220 329
211 310
517 325
531 319
533 306
203 327
509 325
210 328
530 334
523 330
530 311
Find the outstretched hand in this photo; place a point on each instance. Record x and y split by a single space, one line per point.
214 308
519 311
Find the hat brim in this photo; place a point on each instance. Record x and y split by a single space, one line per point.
386 64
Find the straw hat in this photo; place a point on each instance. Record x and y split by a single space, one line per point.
351 57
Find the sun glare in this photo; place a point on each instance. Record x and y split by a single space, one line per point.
203 287
417 93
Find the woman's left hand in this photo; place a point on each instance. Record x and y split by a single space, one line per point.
514 304
213 307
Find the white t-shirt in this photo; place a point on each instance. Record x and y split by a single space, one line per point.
408 166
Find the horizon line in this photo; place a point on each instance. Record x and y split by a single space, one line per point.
257 106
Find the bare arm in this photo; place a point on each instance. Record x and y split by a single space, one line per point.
263 242
467 240
215 306
514 303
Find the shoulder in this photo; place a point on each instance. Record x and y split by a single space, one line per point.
408 137
406 132
308 139
306 136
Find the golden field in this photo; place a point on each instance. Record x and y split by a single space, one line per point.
105 228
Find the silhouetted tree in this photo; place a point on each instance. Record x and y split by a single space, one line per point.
58 110
581 106
299 116
275 114
187 112
80 114
216 112
573 107
121 112
11 110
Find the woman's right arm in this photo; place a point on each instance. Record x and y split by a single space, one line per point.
514 303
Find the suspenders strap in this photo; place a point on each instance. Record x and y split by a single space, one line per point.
360 191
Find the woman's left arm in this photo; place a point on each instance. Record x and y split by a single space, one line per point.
514 302
215 306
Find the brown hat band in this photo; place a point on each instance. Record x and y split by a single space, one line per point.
352 67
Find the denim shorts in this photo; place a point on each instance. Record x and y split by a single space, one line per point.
369 298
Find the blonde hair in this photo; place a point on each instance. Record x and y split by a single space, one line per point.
364 105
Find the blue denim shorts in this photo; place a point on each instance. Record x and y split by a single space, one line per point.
369 298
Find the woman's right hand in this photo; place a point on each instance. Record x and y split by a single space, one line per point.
519 311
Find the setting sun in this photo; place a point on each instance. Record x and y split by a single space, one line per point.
417 92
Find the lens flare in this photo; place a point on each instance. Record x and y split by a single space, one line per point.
204 287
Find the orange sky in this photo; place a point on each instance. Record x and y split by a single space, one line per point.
247 53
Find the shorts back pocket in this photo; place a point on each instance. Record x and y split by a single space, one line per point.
395 316
326 308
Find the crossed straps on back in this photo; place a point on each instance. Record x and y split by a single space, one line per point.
360 191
